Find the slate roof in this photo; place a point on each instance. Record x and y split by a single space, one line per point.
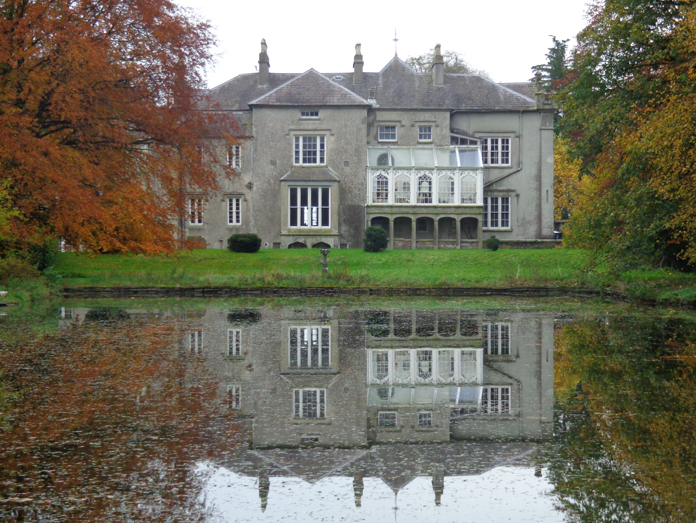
397 86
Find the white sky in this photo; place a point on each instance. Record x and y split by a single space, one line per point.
505 38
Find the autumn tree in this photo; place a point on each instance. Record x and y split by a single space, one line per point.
101 132
628 89
454 63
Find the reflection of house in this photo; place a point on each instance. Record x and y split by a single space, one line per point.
438 160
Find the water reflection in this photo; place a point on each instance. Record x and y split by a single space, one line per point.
344 413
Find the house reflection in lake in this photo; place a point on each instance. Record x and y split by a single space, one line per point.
348 392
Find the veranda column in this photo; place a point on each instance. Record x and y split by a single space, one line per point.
436 225
391 233
479 233
413 233
459 232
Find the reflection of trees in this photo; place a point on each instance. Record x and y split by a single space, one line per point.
627 434
109 424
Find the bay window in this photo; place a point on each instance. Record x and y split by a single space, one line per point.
310 207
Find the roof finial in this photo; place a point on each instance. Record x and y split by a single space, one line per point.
395 41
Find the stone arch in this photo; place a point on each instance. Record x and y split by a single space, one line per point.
425 228
321 245
447 228
469 228
380 221
402 227
297 245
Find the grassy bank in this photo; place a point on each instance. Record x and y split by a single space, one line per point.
348 267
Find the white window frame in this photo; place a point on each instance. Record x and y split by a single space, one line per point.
387 419
496 212
195 210
234 342
419 366
309 149
310 344
301 404
234 395
496 400
425 133
234 210
234 157
309 216
496 338
195 341
309 115
387 133
496 151
425 419
380 188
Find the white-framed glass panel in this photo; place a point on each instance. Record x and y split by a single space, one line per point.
425 133
195 211
196 342
468 188
423 157
380 365
496 338
309 347
420 366
310 207
234 342
496 212
424 365
234 157
458 139
445 365
425 419
309 403
425 189
402 366
310 150
380 189
401 157
386 419
495 400
309 114
445 193
234 396
383 160
378 156
495 151
469 365
402 188
234 210
386 133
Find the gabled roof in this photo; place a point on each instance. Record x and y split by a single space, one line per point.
396 86
310 89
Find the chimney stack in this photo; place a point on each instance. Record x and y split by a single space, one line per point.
438 67
358 66
264 64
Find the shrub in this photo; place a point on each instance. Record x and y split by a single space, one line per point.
14 267
244 243
43 255
376 239
492 243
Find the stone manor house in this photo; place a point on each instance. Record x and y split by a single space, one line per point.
438 160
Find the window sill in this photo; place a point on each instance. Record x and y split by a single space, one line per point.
509 229
389 429
310 421
308 370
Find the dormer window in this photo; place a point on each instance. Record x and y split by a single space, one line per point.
309 114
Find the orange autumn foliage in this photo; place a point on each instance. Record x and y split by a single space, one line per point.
101 135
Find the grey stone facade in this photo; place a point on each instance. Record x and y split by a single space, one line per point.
439 160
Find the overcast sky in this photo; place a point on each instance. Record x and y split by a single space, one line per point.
504 37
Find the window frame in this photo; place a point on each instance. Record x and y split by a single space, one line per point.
298 410
384 423
496 151
323 357
234 396
309 114
195 210
488 406
386 136
234 156
301 149
502 218
195 341
424 415
496 338
299 209
234 348
234 210
425 136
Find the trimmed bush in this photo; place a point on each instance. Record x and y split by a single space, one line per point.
376 239
244 243
492 243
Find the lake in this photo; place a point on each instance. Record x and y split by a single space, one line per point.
347 411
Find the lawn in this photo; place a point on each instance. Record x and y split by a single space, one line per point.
348 267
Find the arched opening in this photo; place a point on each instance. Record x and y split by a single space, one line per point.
380 189
469 229
402 228
321 245
380 221
447 229
425 229
297 245
383 160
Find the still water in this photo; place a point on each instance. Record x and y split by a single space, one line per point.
347 412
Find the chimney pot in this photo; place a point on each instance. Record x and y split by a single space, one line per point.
264 64
358 64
